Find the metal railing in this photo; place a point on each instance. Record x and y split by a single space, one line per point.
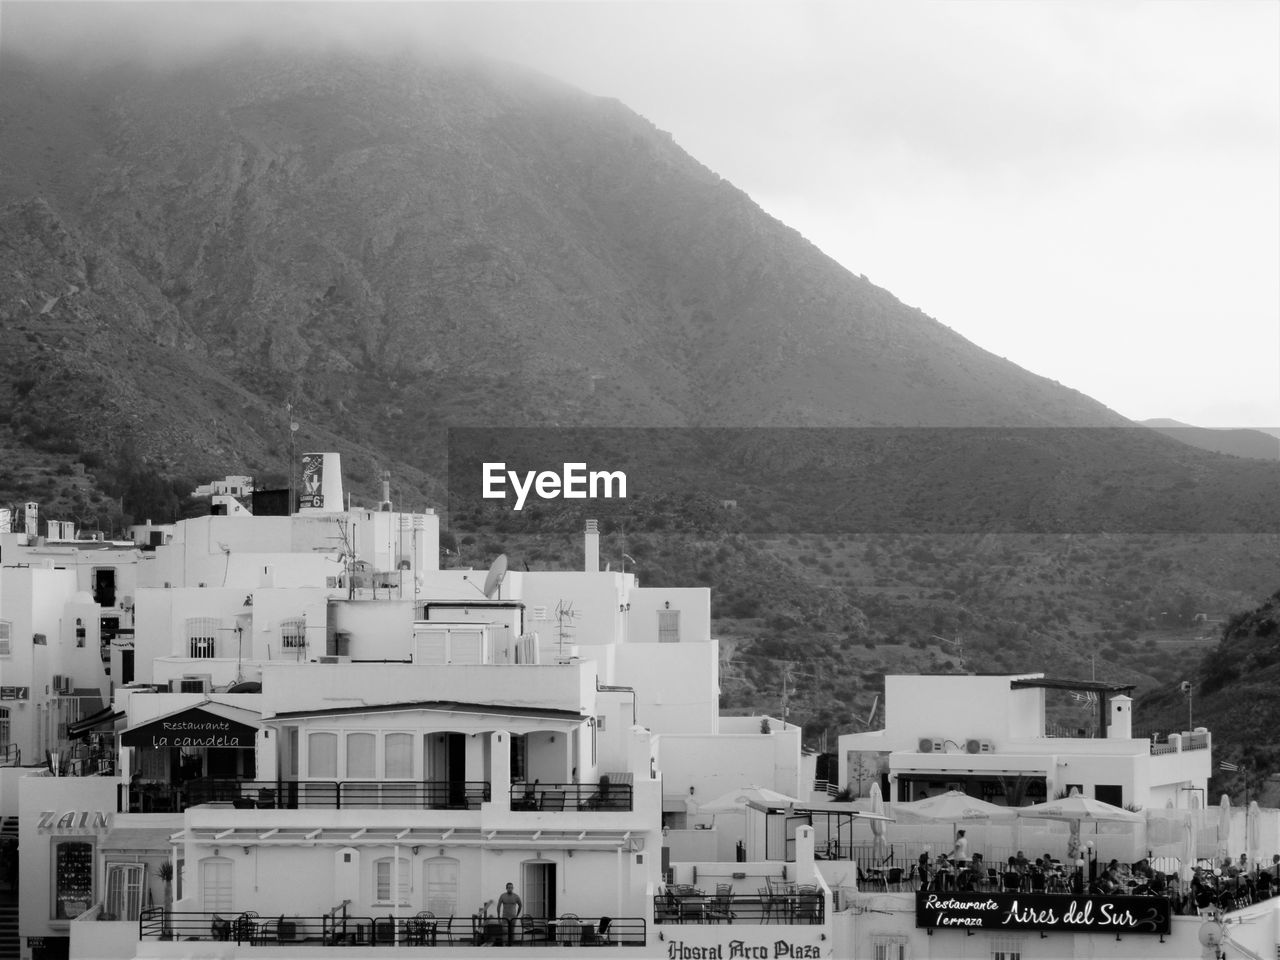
331 929
781 908
10 755
300 794
571 796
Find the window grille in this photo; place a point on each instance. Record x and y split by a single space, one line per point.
202 637
293 633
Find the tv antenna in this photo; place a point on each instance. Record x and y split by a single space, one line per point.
565 626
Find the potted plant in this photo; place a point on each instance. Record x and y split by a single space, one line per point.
166 874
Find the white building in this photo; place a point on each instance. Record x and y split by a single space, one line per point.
322 727
987 736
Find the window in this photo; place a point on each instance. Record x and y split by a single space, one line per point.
1112 793
382 880
398 756
362 756
72 878
6 632
202 634
440 877
124 890
4 730
539 612
888 948
293 633
668 626
322 755
1006 950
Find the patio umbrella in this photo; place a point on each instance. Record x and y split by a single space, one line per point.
1076 807
762 798
950 807
879 849
1224 829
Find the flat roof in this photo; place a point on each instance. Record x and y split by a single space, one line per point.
1052 683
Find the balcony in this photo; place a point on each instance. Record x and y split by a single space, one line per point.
604 796
305 794
337 929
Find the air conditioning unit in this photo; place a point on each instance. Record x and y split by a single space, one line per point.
928 745
979 746
191 684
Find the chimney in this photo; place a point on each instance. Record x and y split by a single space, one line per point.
1120 718
386 492
593 547
321 483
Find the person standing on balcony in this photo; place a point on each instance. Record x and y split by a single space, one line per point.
509 908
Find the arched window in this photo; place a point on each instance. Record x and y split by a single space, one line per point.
383 880
322 755
440 882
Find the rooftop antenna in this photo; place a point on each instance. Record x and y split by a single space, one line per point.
493 580
564 623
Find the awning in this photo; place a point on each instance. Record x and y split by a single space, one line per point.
103 718
207 725
138 840
410 835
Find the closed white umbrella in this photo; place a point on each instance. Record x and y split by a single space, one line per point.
1224 829
1254 834
879 847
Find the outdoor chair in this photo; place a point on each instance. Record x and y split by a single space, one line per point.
598 935
533 930
1012 880
553 800
866 882
720 908
220 929
894 878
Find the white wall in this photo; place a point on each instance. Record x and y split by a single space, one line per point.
677 685
694 604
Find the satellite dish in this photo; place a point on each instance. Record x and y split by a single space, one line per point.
497 570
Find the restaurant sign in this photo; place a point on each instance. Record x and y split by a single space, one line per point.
190 728
742 950
1040 911
15 693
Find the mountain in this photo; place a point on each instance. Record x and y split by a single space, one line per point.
1258 444
191 257
400 246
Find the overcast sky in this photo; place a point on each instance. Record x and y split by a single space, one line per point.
1087 188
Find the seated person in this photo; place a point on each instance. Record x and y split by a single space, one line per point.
1020 859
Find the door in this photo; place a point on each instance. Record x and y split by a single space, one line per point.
538 888
216 895
457 770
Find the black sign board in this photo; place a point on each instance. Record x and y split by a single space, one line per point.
15 693
1041 911
190 728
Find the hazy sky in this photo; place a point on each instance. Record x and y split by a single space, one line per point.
1090 189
